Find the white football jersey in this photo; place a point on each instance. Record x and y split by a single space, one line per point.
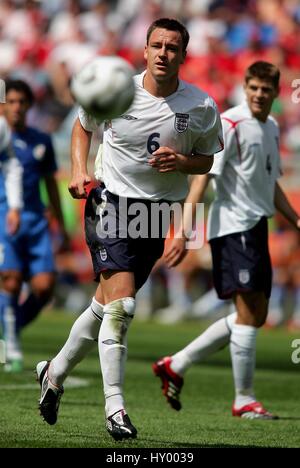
10 167
186 121
245 172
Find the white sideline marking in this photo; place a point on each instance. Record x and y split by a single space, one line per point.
71 382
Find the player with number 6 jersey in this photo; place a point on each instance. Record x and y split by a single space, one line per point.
186 121
171 130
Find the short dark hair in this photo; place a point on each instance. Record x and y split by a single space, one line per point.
171 25
21 87
264 71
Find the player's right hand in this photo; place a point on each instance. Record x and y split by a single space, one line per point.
176 252
78 184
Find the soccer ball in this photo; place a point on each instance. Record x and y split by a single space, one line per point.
104 87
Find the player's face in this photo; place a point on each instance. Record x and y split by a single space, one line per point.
260 95
164 54
15 108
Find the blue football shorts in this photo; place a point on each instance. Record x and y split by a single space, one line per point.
29 250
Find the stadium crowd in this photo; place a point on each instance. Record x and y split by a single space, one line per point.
45 43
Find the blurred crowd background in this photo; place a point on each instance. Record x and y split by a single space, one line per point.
45 42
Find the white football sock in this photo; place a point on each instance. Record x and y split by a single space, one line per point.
83 337
211 340
12 340
113 350
243 351
207 305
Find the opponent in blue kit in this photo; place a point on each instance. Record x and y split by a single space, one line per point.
172 129
27 255
11 175
245 178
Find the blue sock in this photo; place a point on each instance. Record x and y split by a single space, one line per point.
29 310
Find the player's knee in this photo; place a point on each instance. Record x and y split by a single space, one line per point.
11 283
43 292
252 308
261 320
258 317
43 287
121 312
254 319
121 308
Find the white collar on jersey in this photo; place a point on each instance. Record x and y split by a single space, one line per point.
140 79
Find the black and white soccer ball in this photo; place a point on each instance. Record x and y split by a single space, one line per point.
104 87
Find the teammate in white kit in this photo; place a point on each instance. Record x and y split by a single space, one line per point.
247 193
172 129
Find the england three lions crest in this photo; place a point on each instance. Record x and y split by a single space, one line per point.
181 122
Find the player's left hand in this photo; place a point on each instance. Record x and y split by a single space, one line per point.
164 160
176 252
12 221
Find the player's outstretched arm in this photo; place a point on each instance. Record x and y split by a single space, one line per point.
167 160
285 208
80 146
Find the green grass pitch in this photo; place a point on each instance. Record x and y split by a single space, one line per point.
204 421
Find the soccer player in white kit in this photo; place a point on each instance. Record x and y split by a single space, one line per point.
171 130
246 194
